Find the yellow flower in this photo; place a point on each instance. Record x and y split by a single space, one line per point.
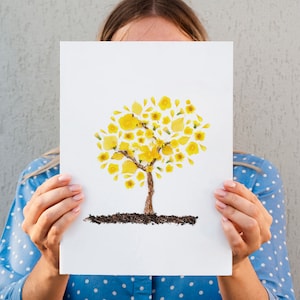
113 168
140 132
141 140
174 144
188 130
148 155
183 140
200 119
179 156
192 148
155 116
166 120
159 143
110 142
158 176
199 136
117 156
128 122
188 102
177 125
99 145
190 109
169 168
190 161
196 124
164 103
149 133
155 126
96 135
129 136
112 128
136 108
177 102
203 148
167 150
129 184
149 169
128 167
140 176
135 145
124 146
103 156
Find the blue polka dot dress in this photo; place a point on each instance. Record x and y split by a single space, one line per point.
18 254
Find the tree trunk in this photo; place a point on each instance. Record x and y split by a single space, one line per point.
148 210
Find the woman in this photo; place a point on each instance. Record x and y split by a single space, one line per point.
29 264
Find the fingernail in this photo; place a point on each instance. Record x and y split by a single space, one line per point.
220 204
78 197
76 209
64 177
75 187
220 192
230 183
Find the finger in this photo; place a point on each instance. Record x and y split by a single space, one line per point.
50 184
241 190
256 230
53 182
237 244
60 226
39 203
39 233
235 196
238 203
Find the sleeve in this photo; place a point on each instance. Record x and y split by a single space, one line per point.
271 260
18 255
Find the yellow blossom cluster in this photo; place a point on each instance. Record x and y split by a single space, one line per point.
150 137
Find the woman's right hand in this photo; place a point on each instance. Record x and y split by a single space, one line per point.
50 211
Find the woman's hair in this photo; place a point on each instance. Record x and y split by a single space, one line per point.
175 11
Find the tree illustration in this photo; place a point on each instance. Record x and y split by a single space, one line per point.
150 139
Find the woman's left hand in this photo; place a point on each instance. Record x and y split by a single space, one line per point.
246 223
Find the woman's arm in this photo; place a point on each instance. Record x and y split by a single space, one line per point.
23 267
52 208
246 224
253 219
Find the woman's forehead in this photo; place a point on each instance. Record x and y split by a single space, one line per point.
151 28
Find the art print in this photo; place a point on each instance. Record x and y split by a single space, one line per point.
146 128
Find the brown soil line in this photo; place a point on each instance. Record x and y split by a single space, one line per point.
135 218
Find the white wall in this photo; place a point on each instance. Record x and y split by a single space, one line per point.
267 83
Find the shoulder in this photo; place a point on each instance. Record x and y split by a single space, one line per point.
37 172
256 173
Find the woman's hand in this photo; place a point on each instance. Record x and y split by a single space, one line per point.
52 208
245 221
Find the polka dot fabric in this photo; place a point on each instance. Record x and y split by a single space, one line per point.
18 255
